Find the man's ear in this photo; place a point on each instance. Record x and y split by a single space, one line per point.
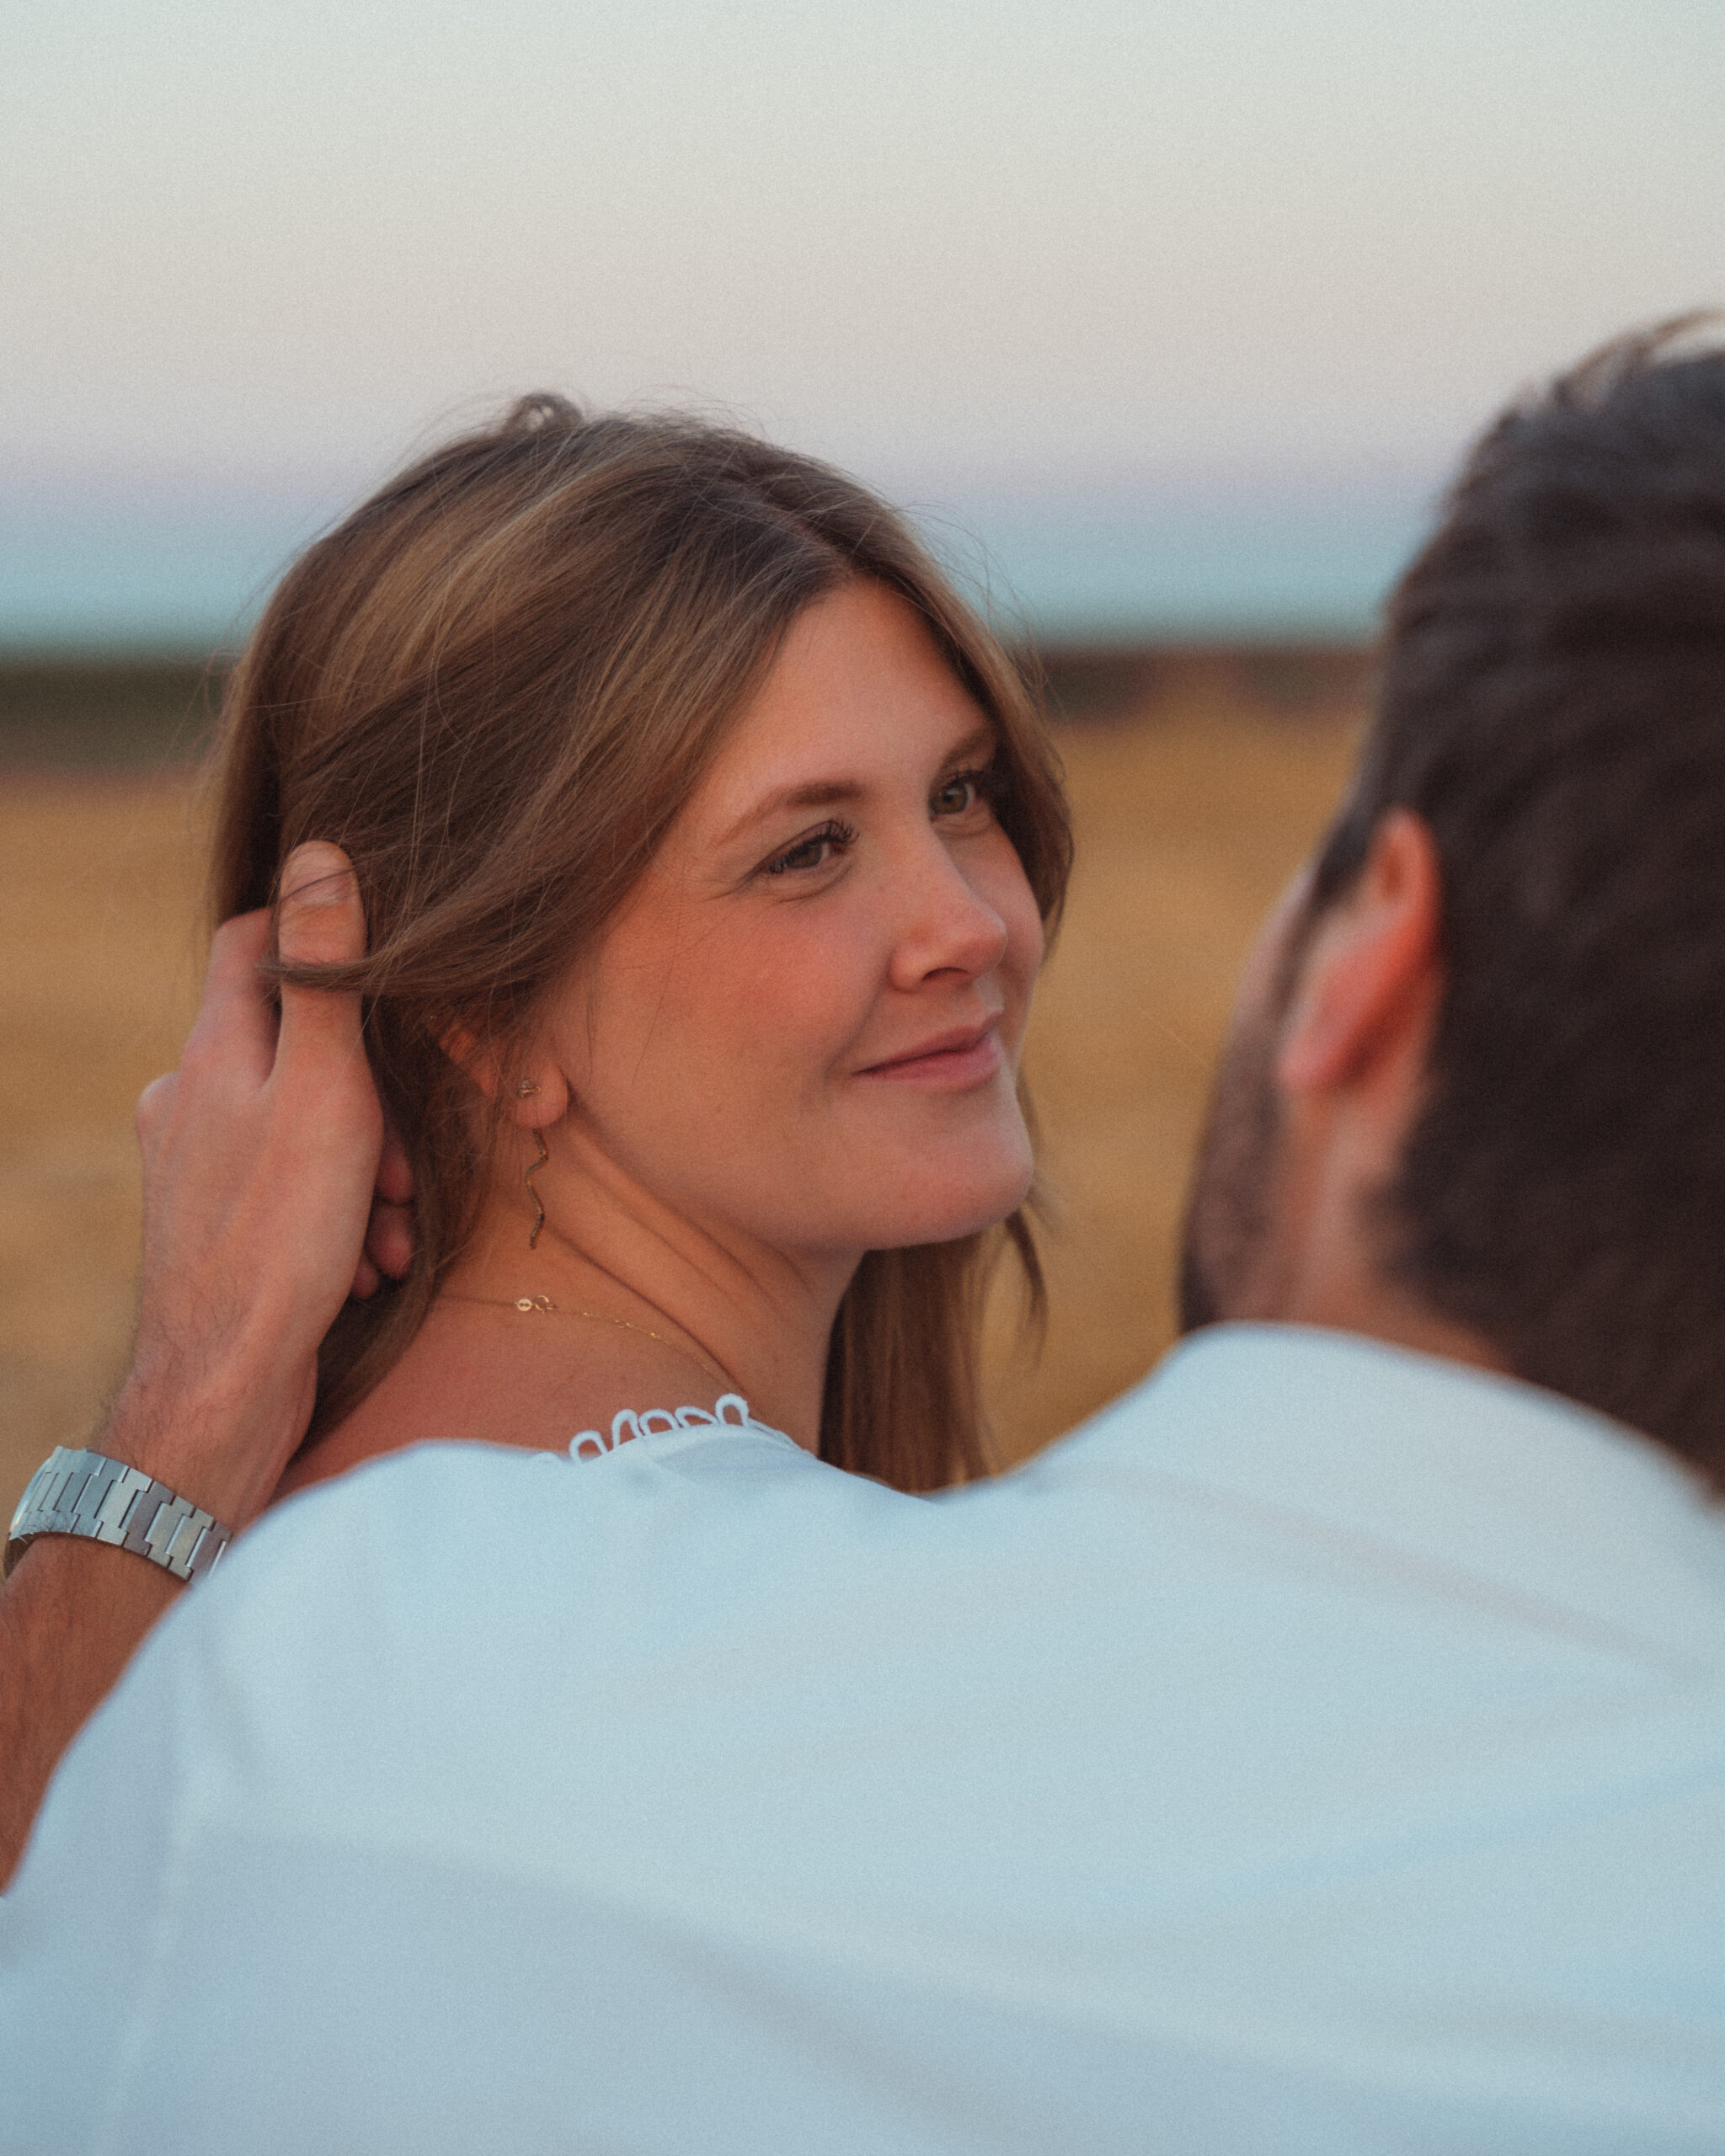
1372 969
530 1095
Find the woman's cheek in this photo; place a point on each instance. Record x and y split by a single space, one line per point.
1015 902
807 979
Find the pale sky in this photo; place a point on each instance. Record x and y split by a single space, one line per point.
978 250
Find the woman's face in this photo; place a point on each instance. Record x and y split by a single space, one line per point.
804 1025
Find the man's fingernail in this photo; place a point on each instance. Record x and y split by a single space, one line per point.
317 874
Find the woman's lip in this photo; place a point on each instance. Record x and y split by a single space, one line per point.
956 1058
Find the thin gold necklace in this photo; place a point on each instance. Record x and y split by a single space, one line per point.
542 1306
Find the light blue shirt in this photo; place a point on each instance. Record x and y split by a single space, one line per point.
1322 1751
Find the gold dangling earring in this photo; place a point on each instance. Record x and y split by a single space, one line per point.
538 1203
524 1091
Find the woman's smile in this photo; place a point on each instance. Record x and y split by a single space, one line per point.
962 1056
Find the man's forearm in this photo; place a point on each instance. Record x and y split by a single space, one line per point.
75 1610
261 1157
71 1615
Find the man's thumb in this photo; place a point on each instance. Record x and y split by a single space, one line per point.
318 918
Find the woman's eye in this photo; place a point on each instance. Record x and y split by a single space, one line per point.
814 851
963 790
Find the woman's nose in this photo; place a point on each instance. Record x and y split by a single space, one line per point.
945 923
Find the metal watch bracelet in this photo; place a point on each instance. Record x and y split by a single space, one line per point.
75 1492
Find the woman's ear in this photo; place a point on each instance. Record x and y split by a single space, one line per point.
535 1097
531 1094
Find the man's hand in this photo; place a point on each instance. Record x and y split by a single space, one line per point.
261 1155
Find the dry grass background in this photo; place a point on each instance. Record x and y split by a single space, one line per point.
1190 817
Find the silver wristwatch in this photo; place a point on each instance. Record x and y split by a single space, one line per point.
87 1493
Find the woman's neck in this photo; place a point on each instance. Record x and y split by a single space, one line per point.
750 1320
628 1305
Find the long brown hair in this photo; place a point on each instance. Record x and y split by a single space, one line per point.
494 685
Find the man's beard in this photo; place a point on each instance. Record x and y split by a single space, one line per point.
1227 1214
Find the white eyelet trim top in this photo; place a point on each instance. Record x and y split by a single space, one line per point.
729 1411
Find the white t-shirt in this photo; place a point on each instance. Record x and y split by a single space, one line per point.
1323 1751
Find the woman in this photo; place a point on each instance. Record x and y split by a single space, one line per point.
708 843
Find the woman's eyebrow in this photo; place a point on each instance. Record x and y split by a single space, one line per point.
980 741
819 793
835 793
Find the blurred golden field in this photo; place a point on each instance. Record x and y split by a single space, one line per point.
1193 808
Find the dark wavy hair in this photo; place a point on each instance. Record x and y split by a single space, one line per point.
1553 704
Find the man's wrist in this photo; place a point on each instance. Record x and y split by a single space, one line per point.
92 1497
220 1440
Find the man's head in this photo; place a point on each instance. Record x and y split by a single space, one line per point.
1476 1098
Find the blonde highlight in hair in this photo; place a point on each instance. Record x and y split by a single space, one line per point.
494 685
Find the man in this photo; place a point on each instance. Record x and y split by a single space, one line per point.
1322 1750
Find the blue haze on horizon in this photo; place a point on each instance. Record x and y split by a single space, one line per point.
141 580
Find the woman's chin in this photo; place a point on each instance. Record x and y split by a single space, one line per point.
956 1207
